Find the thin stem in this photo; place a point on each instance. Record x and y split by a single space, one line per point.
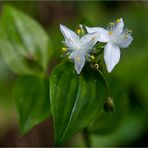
106 83
86 137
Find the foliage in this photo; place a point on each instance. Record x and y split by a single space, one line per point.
76 101
81 95
27 55
32 101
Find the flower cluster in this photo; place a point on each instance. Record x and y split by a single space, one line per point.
80 47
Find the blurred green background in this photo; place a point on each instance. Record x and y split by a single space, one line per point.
127 126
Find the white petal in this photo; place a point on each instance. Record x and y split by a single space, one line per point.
68 34
71 38
118 28
125 42
79 60
88 41
111 55
103 33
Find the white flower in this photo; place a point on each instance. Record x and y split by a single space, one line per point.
79 48
116 38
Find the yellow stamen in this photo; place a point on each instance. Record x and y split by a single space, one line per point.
64 49
110 33
92 56
130 31
118 20
78 31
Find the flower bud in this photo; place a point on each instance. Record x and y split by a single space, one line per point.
109 105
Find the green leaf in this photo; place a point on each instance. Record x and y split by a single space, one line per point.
32 101
75 99
24 45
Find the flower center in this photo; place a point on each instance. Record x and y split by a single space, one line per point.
77 58
110 33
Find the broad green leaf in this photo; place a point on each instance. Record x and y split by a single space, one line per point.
24 45
75 99
32 101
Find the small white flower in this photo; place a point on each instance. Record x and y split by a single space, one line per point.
116 38
79 48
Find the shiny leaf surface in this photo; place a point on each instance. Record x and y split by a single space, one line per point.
75 99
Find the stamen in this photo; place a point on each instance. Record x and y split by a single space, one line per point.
110 33
130 31
64 49
118 21
126 37
110 26
92 56
127 32
78 31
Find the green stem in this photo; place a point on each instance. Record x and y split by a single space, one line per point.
106 83
86 137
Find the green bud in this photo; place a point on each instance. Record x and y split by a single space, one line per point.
109 105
